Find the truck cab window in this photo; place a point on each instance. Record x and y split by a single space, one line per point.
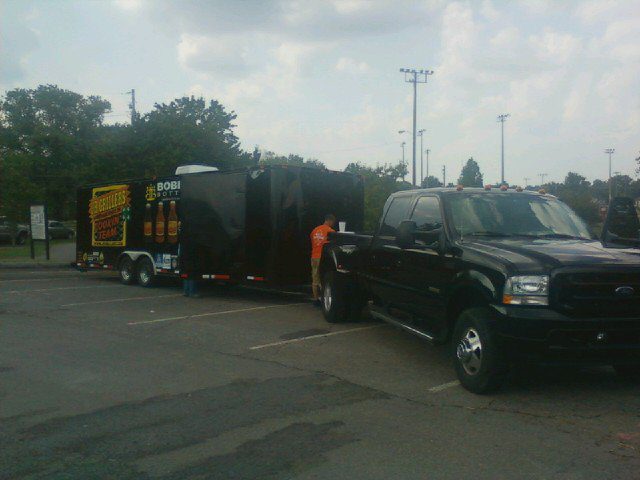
427 214
396 212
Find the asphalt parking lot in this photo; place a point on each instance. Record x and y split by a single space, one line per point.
101 380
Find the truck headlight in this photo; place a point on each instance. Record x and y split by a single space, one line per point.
526 290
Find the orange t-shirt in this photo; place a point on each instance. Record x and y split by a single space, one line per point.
318 239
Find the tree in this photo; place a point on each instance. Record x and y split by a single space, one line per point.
270 158
379 182
431 181
470 175
576 192
46 135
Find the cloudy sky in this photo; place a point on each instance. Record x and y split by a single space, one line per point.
321 79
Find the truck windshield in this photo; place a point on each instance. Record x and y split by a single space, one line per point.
507 214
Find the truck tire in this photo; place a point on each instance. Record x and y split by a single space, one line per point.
127 271
335 298
144 272
477 356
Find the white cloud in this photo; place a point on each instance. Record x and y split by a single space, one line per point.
349 65
128 5
226 55
555 47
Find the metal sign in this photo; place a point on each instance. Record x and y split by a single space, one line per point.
38 223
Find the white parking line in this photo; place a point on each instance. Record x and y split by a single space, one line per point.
311 337
121 300
444 386
211 314
62 288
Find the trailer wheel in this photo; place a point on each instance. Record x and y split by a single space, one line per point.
335 298
127 271
145 273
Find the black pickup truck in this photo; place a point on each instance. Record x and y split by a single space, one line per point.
506 276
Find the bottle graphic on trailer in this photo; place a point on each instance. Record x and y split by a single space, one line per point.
148 226
160 223
172 223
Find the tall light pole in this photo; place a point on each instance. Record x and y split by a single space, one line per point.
427 152
610 151
502 118
415 77
444 175
421 134
542 175
403 162
526 182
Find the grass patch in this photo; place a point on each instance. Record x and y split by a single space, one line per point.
23 252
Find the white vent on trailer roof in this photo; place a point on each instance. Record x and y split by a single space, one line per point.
185 169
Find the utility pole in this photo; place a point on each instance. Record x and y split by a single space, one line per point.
132 105
610 151
427 152
501 119
421 135
526 182
444 175
542 175
415 77
403 162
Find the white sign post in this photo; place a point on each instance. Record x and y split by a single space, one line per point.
38 227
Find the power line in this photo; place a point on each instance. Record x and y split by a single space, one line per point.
415 77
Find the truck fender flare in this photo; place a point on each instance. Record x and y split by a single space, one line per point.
480 282
135 255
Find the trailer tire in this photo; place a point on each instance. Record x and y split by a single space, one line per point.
127 270
145 273
336 304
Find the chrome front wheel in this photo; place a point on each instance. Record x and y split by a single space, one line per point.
469 351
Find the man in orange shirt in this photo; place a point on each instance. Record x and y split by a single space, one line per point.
318 239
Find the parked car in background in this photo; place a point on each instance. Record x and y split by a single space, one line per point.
58 230
13 232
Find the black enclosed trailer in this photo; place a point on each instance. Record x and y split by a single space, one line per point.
241 226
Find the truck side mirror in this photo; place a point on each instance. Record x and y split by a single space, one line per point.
621 226
406 234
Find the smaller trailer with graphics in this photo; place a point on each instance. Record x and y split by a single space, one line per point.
243 226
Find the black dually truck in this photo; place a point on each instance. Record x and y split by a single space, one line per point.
506 277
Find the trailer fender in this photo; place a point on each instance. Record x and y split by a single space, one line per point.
135 255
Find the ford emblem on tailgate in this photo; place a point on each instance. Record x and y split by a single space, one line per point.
625 291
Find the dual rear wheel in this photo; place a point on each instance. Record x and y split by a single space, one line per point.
141 271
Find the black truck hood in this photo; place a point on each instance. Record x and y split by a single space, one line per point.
543 255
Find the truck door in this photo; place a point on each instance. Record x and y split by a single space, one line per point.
382 267
426 269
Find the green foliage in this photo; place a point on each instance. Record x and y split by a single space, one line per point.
470 175
575 192
46 136
270 158
379 183
53 140
431 182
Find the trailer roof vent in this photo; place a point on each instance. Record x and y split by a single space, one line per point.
185 169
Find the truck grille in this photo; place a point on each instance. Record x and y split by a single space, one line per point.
593 294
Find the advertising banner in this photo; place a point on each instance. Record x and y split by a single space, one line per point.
109 211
